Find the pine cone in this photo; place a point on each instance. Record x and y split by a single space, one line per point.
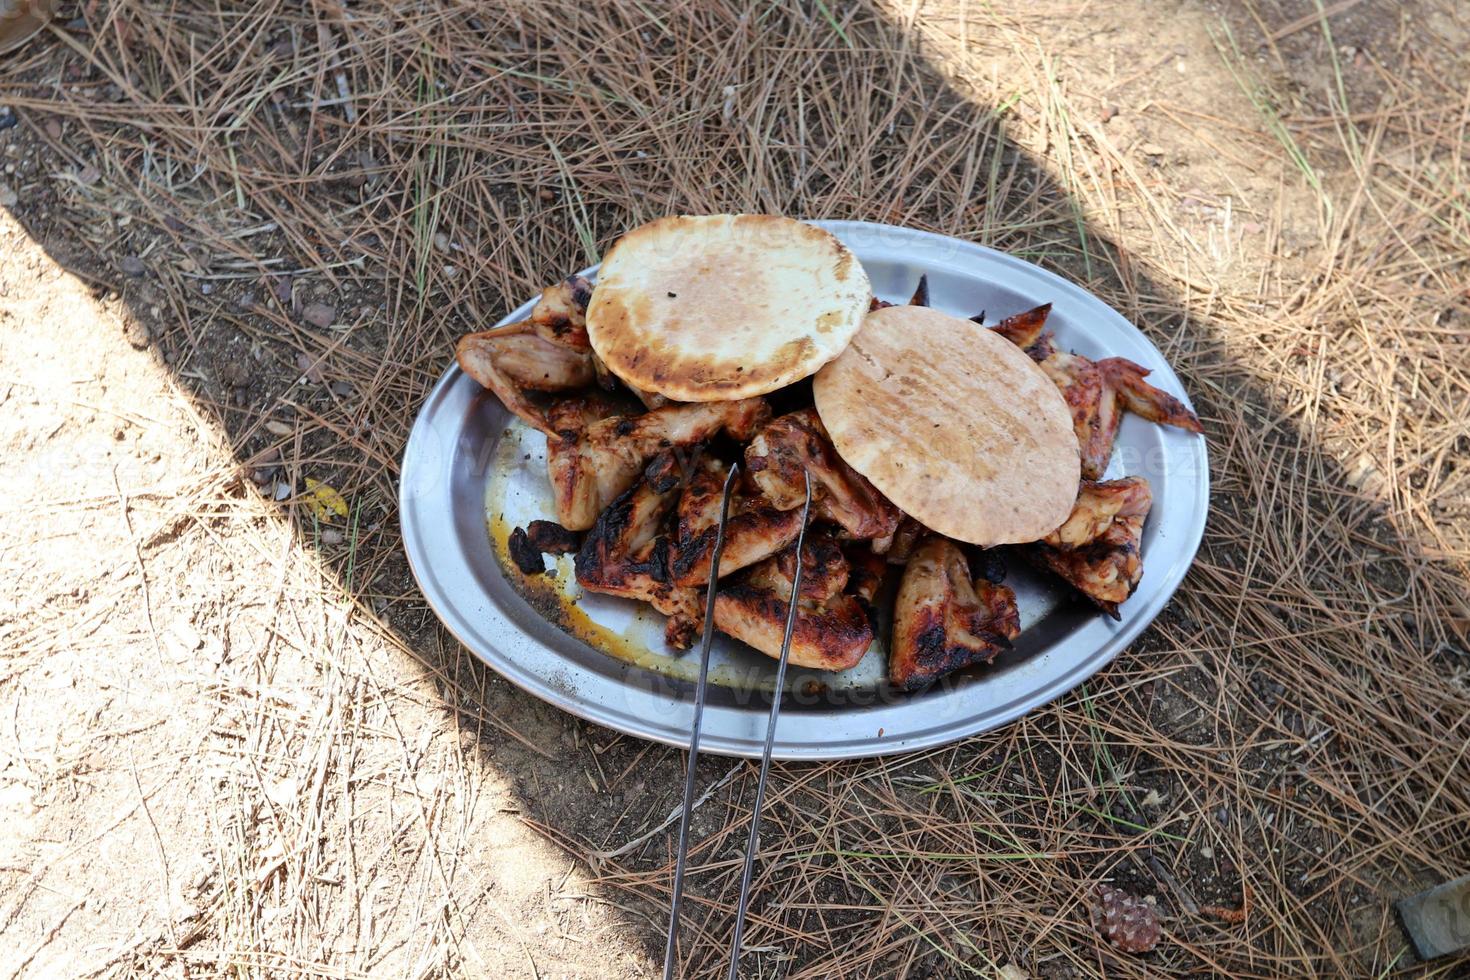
1129 923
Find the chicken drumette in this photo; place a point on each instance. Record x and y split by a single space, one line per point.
832 630
1096 550
840 494
626 555
592 464
943 619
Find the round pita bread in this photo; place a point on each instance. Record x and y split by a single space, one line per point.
955 424
721 307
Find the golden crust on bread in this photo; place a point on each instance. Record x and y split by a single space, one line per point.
954 424
719 307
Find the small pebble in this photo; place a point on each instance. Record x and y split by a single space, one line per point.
309 368
331 535
8 197
132 265
278 428
236 374
283 490
319 315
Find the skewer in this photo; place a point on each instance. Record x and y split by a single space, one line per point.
677 904
760 785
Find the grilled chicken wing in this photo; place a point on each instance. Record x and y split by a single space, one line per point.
1143 399
514 360
755 530
560 315
943 620
1108 522
840 494
1097 392
1098 505
592 465
625 555
832 630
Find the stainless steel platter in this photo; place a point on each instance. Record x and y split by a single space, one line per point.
471 472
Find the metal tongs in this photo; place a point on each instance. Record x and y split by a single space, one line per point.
760 787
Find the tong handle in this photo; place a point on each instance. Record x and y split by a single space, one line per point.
760 785
676 905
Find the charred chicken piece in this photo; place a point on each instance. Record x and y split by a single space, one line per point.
1143 399
514 360
865 574
569 416
525 554
921 292
755 530
840 494
560 315
550 538
898 546
1024 329
944 620
1108 521
593 464
625 555
1098 505
832 631
1097 392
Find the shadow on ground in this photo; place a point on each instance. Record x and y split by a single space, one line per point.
303 210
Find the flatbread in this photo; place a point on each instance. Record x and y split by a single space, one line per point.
954 424
720 307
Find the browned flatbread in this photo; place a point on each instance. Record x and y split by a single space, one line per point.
954 424
720 307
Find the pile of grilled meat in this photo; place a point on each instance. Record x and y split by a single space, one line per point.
643 478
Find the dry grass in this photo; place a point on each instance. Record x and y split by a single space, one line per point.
1284 214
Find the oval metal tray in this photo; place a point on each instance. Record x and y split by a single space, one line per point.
471 472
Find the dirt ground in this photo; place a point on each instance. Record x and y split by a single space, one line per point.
236 244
